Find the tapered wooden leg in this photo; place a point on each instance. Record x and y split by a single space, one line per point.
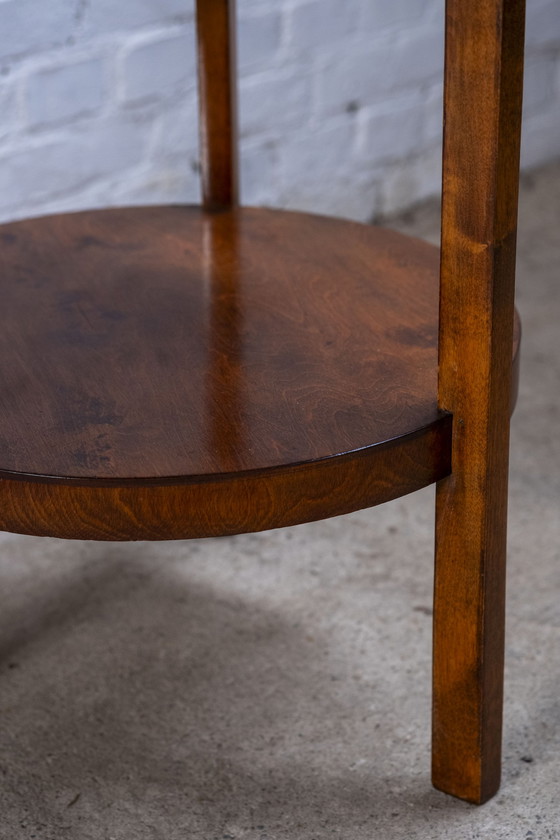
483 85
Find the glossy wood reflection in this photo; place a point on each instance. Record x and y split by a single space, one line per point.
170 346
225 391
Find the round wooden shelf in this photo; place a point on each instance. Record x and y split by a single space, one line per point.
166 372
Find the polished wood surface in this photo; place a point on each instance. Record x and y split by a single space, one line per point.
484 65
217 102
170 346
174 372
231 505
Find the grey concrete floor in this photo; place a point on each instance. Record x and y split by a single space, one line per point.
278 685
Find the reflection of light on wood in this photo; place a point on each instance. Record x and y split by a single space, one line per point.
219 161
224 378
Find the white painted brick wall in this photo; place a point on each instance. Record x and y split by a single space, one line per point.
340 106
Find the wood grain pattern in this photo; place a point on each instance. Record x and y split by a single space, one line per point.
217 102
232 504
170 346
484 62
175 372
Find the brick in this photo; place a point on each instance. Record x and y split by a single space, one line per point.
393 130
309 154
259 174
109 16
356 198
350 82
178 128
159 68
317 172
28 26
378 14
408 182
258 39
167 183
319 23
340 105
539 140
9 110
539 85
177 133
71 161
274 102
432 103
66 92
543 23
418 57
370 74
